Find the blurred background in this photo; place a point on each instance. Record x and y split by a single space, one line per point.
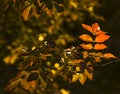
63 28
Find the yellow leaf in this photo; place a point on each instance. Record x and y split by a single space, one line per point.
82 78
86 46
63 91
89 75
86 38
75 77
26 13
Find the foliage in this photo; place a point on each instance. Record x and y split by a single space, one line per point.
40 65
35 36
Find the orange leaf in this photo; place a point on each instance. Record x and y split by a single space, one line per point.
100 32
26 13
99 46
95 27
101 38
86 46
87 27
109 55
86 38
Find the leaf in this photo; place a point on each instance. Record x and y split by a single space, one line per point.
86 46
86 38
88 74
101 38
59 8
26 13
95 27
87 27
99 46
75 77
100 32
109 55
82 78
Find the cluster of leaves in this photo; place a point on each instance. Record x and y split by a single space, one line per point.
41 64
37 6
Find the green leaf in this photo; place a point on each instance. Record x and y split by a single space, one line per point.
59 8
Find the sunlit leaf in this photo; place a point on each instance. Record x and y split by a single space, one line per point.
95 27
99 46
101 38
86 38
75 77
86 46
100 32
87 27
88 74
63 91
109 55
82 78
